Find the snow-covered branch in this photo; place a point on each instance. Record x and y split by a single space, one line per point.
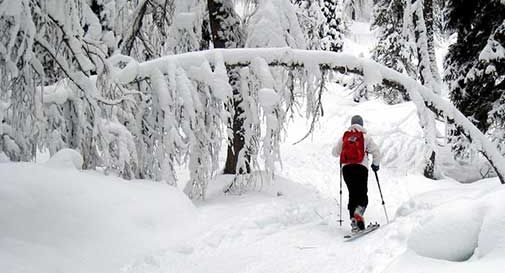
372 72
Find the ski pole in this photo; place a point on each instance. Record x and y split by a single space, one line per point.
340 204
382 198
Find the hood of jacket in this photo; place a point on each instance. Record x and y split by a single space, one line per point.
357 127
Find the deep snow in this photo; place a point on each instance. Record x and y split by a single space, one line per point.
55 218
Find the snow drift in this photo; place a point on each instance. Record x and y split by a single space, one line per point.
56 218
459 229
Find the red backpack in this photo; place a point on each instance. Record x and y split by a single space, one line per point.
353 148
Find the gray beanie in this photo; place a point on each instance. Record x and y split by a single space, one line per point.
357 119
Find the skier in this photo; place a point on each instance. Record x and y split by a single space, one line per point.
353 149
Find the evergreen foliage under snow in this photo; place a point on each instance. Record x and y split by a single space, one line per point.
393 48
475 69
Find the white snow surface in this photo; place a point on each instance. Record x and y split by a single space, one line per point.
65 220
492 51
268 97
57 93
66 159
360 40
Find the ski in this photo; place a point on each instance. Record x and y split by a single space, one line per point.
353 236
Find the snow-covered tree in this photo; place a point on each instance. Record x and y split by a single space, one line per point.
475 26
429 10
227 31
333 29
311 20
440 19
42 44
393 48
417 14
424 98
159 27
474 66
419 18
407 31
332 39
275 24
492 62
185 34
60 87
225 24
8 144
359 10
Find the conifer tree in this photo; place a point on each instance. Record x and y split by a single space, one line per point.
474 65
332 31
393 49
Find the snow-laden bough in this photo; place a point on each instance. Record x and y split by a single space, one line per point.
426 100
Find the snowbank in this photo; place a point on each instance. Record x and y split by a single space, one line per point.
65 220
58 93
66 158
451 233
460 229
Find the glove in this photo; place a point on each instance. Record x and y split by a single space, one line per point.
375 167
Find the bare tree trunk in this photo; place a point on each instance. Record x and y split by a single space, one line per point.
215 20
226 33
237 126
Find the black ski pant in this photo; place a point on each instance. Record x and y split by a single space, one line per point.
356 179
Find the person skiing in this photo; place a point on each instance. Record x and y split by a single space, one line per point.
353 149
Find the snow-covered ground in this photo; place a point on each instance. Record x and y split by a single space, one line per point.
57 218
359 40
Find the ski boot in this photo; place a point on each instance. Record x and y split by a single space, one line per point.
354 226
358 215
